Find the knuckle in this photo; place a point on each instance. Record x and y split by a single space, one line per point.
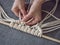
12 9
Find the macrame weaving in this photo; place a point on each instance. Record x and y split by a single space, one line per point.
37 29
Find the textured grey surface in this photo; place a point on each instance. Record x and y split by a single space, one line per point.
10 36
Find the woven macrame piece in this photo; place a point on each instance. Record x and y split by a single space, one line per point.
36 30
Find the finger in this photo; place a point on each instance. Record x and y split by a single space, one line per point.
33 22
15 10
23 11
29 20
26 18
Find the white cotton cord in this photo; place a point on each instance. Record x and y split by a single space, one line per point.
54 28
53 23
50 28
36 27
2 22
0 16
51 14
5 15
48 17
52 11
8 20
45 19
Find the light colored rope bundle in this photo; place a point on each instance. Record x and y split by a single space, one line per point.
37 29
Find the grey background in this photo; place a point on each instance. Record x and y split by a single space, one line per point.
10 36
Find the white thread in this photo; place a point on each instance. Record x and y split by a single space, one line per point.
53 23
51 12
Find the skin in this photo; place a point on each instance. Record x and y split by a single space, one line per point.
30 17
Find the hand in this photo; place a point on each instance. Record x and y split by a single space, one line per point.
34 14
19 8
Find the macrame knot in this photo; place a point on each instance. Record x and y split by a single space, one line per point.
34 30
